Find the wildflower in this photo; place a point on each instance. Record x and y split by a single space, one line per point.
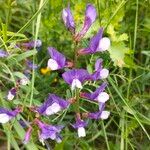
3 53
100 72
45 70
57 60
97 43
79 125
30 45
75 77
11 94
90 17
30 65
24 81
6 115
27 135
68 19
48 131
52 105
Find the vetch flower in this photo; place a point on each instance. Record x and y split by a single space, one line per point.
11 94
3 53
90 17
79 125
30 45
57 60
6 115
27 135
30 65
100 72
97 43
75 77
68 19
48 131
52 105
24 81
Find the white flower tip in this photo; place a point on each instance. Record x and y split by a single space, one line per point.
103 97
24 81
81 132
10 96
52 64
53 109
104 73
64 15
105 114
104 44
76 83
4 118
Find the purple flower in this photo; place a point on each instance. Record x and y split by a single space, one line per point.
27 135
100 72
75 77
97 43
52 105
101 114
79 125
97 95
49 131
57 61
11 94
30 45
90 17
31 65
68 19
3 53
6 115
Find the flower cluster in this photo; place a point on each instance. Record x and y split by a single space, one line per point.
74 77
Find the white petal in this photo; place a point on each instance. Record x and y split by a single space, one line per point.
4 118
104 73
53 109
103 97
24 81
52 64
81 132
105 114
76 83
104 44
10 96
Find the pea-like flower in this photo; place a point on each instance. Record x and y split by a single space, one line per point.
57 60
68 19
52 105
6 115
90 17
11 94
100 72
97 44
30 44
27 135
79 125
49 131
75 77
3 53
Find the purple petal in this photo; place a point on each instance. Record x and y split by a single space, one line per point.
30 45
80 74
79 123
68 19
31 65
27 136
98 64
58 57
3 53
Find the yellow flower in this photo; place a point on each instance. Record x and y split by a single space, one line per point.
45 71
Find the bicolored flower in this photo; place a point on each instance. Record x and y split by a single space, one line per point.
27 135
79 125
3 53
30 45
68 19
75 77
6 115
57 60
52 105
48 131
90 17
11 94
30 65
101 114
100 72
97 43
24 81
98 95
